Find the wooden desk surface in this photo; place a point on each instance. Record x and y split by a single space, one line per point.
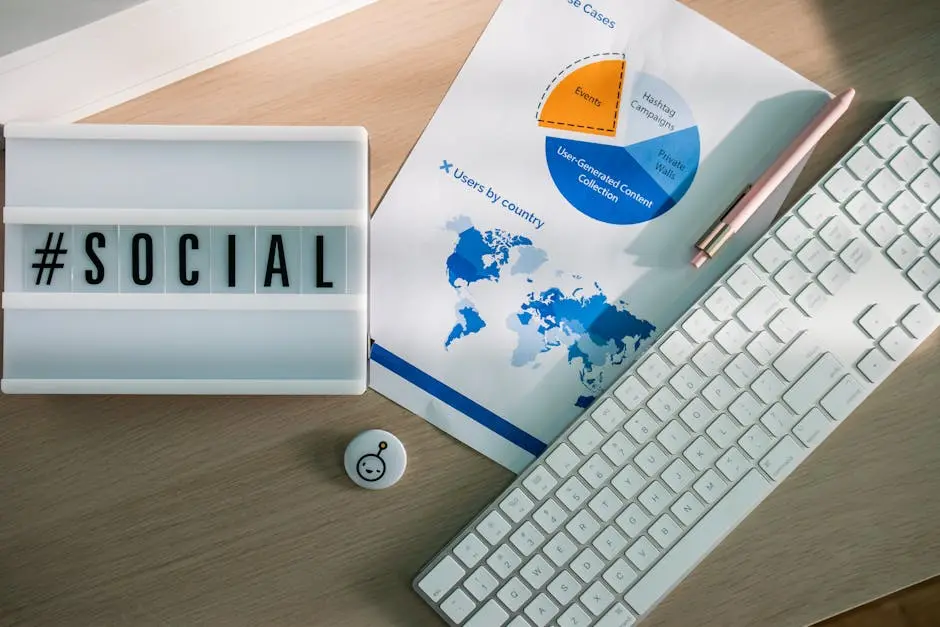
236 511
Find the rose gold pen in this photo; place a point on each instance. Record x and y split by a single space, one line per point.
754 195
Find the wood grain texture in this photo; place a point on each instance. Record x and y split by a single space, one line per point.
236 511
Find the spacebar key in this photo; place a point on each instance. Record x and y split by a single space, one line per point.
698 542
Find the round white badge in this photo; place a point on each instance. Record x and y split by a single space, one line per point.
375 459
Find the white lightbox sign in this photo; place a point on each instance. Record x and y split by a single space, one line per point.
185 260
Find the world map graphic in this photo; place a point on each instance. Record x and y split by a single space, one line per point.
595 333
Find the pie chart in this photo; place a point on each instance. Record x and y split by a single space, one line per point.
621 147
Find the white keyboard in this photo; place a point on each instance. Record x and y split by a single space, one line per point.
721 409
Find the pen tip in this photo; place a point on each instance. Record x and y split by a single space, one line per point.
699 260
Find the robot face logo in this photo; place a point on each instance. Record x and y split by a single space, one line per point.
371 466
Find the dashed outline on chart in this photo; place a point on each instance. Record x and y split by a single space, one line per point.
564 73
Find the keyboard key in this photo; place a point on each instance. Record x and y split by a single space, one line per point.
813 256
746 409
699 325
791 277
710 486
836 233
596 471
562 460
642 553
796 357
609 543
618 616
861 208
778 419
582 526
701 453
909 118
884 185
882 230
676 348
687 508
812 299
673 437
743 281
863 163
618 449
919 322
664 404
488 615
741 370
665 531
763 348
724 431
926 186
587 565
564 587
856 255
633 520
817 207
935 249
628 482
834 277
517 505
927 141
925 230
874 365
470 550
687 381
526 538
541 610
875 321
653 370
905 208
494 527
762 305
537 571
560 549
906 163
811 387
897 344
458 606
792 233
597 598
696 415
785 325
608 415
514 594
690 549
620 575
550 516
655 498
783 458
605 504
481 583
631 393
503 561
770 256
813 428
651 459
585 438
574 616
721 303
924 274
840 185
934 297
755 442
641 426
731 336
709 359
572 493
678 475
539 482
768 386
440 579
732 464
718 392
843 398
886 141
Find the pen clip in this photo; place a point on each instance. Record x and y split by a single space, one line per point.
720 231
